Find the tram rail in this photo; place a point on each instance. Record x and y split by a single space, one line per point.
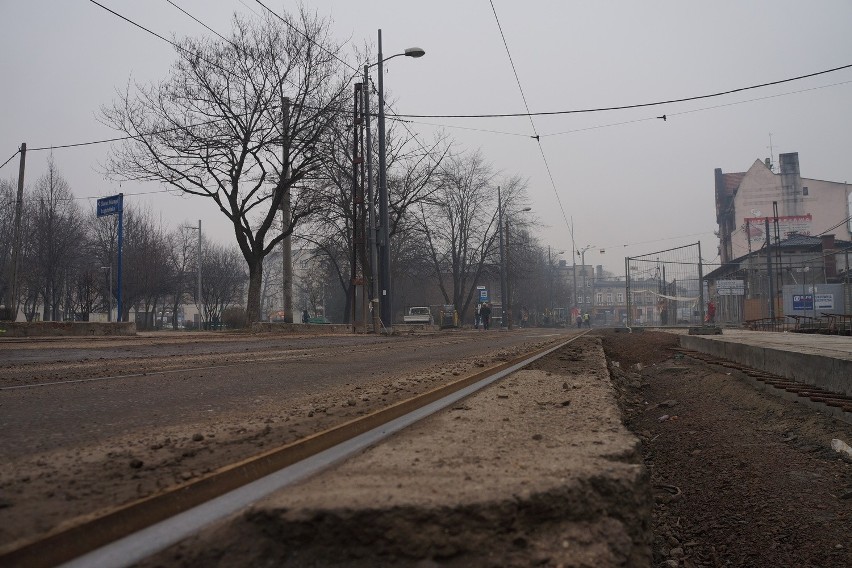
129 533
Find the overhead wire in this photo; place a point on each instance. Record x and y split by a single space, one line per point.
18 151
631 106
537 138
165 39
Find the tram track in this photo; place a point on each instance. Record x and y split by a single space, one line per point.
84 536
228 360
828 402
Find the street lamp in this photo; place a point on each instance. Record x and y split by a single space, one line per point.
109 269
198 299
582 253
550 277
386 303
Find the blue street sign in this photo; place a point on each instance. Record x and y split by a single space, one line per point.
483 294
803 301
111 205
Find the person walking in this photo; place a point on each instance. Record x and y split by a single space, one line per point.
587 320
485 315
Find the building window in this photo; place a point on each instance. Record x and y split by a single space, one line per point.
600 297
805 190
609 298
620 298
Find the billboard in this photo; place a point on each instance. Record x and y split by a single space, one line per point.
754 227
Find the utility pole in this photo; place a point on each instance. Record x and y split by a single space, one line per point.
769 268
286 243
11 300
200 303
503 286
374 255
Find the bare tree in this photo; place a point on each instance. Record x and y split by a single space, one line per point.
181 254
56 234
460 223
412 178
242 121
223 281
7 216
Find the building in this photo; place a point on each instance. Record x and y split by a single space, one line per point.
805 275
748 203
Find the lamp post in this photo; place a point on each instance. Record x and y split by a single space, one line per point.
582 253
384 216
109 271
550 277
198 298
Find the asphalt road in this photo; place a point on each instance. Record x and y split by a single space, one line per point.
71 393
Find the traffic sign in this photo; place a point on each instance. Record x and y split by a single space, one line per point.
111 205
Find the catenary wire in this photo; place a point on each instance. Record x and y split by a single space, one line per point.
631 106
11 157
165 39
200 22
537 138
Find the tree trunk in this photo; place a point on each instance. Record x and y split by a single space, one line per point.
255 266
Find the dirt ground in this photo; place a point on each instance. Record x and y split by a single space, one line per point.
741 477
41 490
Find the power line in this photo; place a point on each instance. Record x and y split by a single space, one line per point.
630 106
200 22
170 42
307 37
10 157
537 138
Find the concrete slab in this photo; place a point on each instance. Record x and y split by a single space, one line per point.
820 360
536 469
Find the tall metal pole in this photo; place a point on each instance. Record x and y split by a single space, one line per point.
508 310
700 284
769 268
384 216
549 280
356 119
503 286
286 243
118 314
200 303
374 255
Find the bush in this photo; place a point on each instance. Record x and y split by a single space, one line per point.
234 318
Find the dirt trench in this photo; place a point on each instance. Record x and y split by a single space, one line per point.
740 477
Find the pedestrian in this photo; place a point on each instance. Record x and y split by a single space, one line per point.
711 312
579 321
587 320
485 315
305 316
525 317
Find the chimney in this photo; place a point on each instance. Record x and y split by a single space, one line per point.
768 162
828 258
599 271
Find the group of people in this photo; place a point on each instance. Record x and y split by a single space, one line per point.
483 316
582 320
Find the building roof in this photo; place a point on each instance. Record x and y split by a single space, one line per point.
794 241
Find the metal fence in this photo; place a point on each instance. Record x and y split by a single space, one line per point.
664 288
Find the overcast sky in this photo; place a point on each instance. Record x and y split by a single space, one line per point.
633 183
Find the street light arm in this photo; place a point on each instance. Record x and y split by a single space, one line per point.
410 52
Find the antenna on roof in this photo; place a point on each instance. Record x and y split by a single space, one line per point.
769 163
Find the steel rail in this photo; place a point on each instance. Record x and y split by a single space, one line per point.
132 532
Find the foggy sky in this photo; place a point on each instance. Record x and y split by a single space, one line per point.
626 177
